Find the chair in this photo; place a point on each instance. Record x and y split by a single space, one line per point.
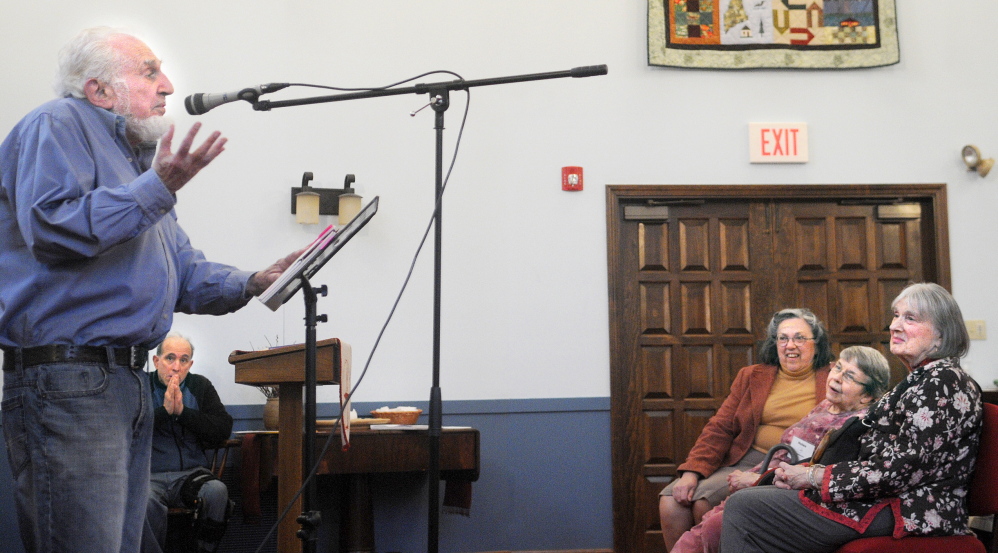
180 520
982 500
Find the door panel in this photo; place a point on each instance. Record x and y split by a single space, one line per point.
695 273
696 312
848 285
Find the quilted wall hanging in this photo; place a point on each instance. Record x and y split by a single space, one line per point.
788 34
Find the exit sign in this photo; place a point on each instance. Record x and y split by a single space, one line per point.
778 142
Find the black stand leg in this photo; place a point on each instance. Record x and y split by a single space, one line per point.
310 519
440 100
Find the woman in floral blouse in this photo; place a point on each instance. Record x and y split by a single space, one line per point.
915 460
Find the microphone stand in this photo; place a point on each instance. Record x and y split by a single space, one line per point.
440 100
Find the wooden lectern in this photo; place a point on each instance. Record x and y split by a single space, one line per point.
285 367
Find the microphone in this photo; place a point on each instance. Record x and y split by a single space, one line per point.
588 71
202 102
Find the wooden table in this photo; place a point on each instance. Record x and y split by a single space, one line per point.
371 452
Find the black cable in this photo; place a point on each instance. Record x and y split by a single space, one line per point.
386 87
333 431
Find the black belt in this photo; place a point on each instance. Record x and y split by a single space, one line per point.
134 357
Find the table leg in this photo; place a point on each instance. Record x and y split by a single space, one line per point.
250 477
356 515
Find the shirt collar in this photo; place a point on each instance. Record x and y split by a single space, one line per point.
117 126
114 123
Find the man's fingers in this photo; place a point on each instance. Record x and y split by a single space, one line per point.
216 148
167 140
185 144
211 147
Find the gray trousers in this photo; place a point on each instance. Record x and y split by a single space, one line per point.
164 492
767 519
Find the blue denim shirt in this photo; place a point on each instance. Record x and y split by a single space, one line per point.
90 249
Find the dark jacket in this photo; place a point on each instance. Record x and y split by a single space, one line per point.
178 442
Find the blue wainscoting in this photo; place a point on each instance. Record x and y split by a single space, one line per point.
545 480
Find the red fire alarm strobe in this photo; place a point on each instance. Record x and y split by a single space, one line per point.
571 178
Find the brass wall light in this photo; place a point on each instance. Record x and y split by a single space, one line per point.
972 157
308 202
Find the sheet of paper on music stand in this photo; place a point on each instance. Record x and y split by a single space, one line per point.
314 257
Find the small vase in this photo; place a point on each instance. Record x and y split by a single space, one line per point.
271 413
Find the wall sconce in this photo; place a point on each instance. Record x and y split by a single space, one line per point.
308 202
972 157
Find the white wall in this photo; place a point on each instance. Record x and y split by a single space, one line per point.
525 294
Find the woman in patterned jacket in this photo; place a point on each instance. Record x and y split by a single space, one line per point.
915 460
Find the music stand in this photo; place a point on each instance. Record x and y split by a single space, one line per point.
294 278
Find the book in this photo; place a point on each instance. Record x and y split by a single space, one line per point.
318 252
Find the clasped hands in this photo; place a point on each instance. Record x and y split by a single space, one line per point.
173 399
798 477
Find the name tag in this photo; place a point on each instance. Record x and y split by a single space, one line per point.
804 449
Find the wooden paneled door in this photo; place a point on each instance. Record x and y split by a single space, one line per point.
695 273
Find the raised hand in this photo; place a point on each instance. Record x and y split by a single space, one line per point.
176 169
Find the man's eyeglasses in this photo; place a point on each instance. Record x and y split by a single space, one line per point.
798 340
172 358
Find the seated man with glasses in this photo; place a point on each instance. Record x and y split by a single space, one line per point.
189 418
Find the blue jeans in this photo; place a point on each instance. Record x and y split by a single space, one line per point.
78 440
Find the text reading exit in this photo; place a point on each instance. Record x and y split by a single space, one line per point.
778 142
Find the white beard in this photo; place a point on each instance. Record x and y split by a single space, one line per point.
149 129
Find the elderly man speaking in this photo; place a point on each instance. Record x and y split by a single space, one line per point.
94 265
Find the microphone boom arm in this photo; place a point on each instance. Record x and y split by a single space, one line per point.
577 72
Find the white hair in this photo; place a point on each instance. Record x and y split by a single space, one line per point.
177 335
89 55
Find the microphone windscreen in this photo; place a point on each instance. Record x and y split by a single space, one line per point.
194 104
588 71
